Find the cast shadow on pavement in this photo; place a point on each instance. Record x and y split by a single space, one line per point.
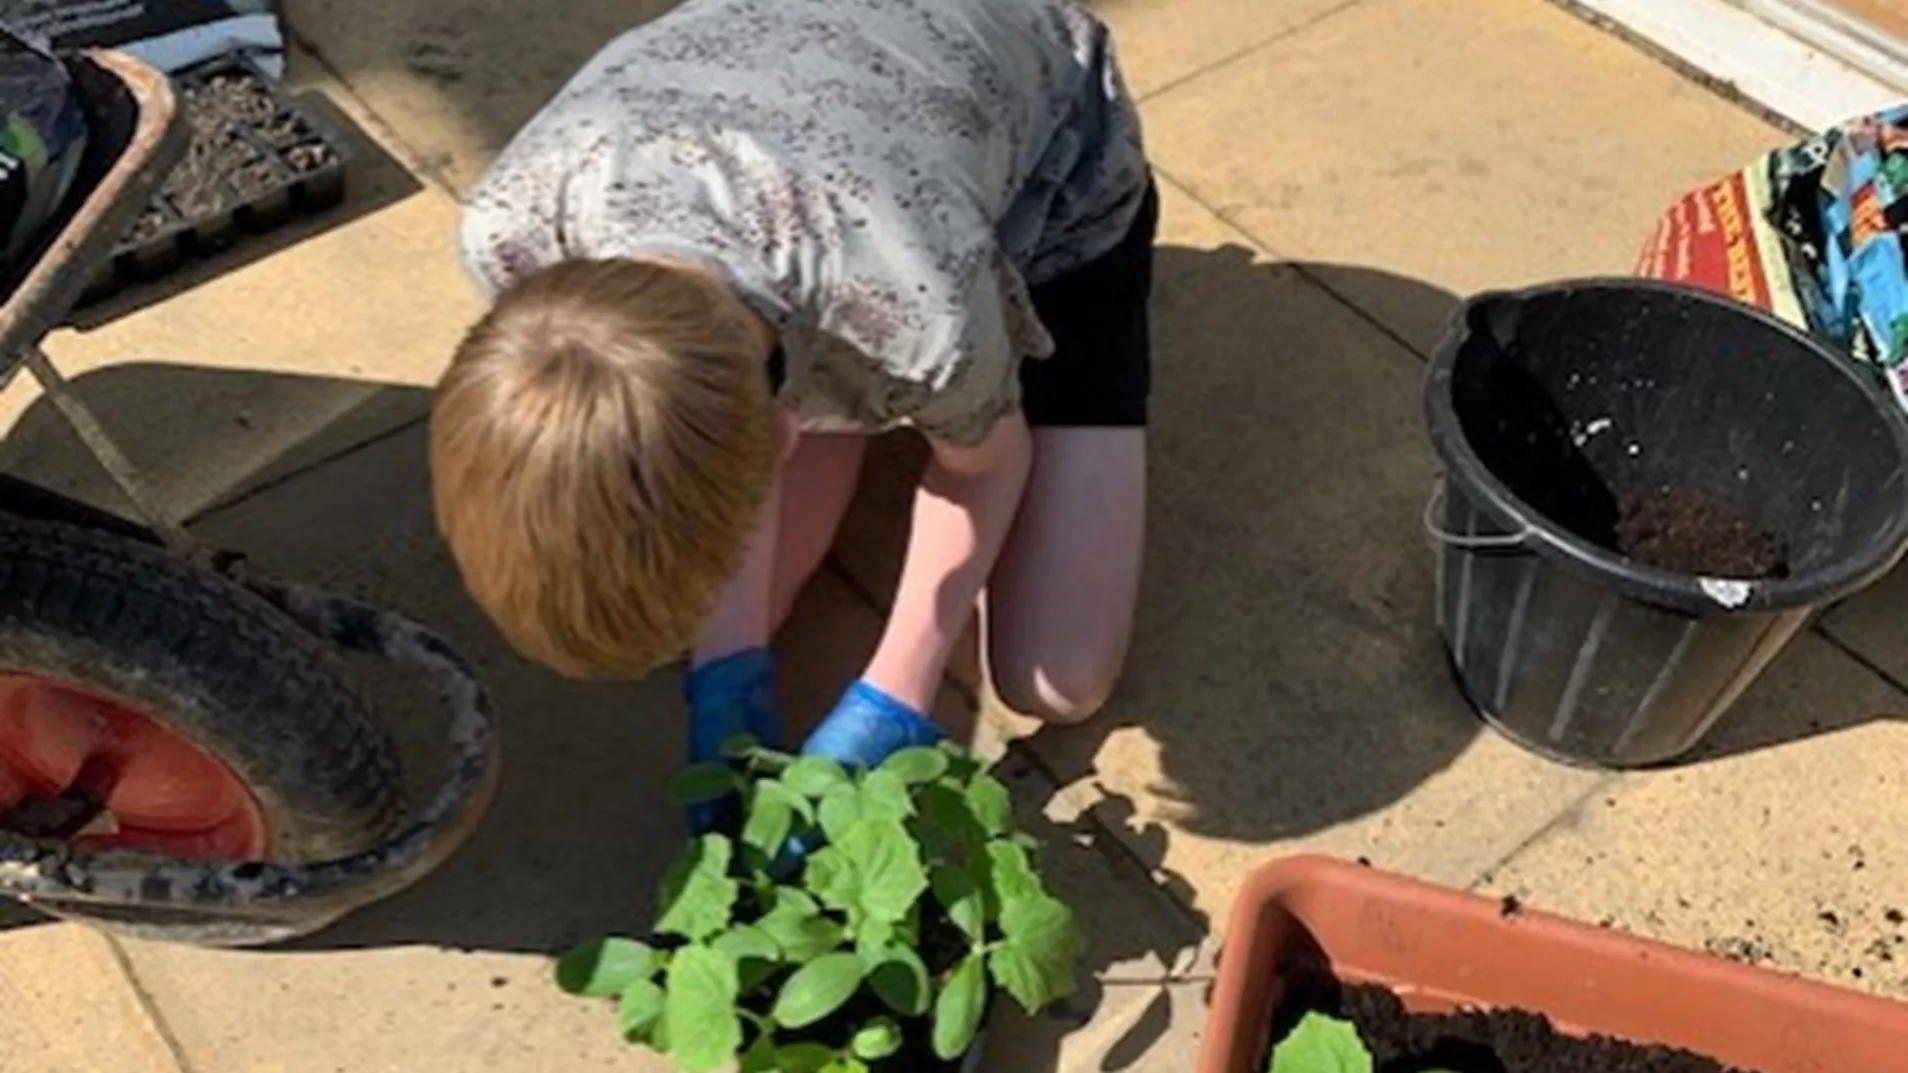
1285 671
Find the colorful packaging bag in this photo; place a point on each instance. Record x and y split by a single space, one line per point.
42 142
1813 234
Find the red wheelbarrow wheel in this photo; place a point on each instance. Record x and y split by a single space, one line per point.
150 705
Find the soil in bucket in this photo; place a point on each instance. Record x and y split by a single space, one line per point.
1683 530
1475 1041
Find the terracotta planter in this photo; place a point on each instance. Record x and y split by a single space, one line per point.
1440 949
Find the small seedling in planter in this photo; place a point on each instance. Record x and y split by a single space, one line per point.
877 950
1321 1043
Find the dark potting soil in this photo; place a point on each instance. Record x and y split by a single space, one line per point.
1685 531
1499 1041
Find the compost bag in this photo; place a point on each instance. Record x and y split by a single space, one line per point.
168 34
41 144
1813 233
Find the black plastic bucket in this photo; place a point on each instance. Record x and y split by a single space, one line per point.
1547 404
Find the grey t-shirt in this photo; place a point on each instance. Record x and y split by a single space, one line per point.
882 179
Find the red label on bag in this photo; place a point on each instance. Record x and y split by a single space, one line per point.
1708 240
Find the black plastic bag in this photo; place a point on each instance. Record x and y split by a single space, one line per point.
41 143
169 34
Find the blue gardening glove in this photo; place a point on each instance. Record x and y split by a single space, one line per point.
868 726
728 697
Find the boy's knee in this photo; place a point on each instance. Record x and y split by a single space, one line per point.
1065 692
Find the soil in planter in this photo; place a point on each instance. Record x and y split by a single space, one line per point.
1690 533
1499 1041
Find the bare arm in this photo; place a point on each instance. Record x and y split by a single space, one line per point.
963 509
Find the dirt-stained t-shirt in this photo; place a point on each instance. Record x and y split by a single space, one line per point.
882 179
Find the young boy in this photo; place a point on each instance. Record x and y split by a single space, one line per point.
744 238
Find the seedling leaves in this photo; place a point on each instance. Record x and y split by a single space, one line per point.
602 968
916 766
957 1015
961 897
639 1009
702 783
699 1013
993 806
1034 963
879 1039
813 776
697 893
1321 1044
817 989
900 979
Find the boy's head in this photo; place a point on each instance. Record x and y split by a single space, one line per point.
601 450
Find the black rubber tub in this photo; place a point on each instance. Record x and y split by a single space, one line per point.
1546 406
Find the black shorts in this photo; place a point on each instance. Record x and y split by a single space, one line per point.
1101 370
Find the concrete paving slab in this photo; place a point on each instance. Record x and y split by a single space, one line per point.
1161 45
455 79
1471 145
70 1007
1870 623
1286 689
265 358
453 974
1793 857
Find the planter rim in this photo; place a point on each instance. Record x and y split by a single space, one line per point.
1392 914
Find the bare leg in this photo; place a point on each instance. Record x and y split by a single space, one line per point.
1059 606
818 483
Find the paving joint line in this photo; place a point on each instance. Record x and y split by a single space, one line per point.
1549 827
296 472
408 155
1230 58
148 1005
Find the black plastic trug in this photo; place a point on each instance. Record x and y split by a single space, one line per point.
253 166
1545 406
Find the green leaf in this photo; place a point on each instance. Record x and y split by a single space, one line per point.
878 1039
769 790
1011 873
813 776
1321 1044
750 942
1035 962
947 825
699 1012
889 875
957 892
900 979
993 806
639 1009
916 766
769 823
803 1058
801 930
760 1057
957 1014
961 764
885 797
840 810
697 893
831 876
601 968
702 783
817 989
846 1065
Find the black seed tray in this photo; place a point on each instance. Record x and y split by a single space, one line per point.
257 161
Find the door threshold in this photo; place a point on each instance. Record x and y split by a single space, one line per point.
1796 80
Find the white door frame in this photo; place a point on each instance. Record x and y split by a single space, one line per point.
1800 59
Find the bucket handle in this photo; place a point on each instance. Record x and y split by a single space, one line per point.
1465 541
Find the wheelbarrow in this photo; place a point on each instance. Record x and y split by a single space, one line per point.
184 755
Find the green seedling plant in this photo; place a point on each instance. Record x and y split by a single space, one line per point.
916 897
1321 1043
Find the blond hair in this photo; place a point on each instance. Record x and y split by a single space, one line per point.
601 449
